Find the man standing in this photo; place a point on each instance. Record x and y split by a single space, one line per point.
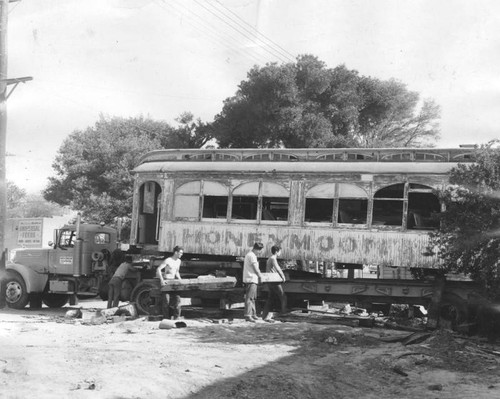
172 266
251 277
115 284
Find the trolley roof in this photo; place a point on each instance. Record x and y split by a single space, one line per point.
324 160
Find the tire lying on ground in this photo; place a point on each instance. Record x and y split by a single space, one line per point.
16 294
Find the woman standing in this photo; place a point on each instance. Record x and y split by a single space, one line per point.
275 289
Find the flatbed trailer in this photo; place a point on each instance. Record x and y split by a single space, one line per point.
414 292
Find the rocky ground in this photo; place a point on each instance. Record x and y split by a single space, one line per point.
44 354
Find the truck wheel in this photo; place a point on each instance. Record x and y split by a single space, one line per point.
142 298
55 300
15 293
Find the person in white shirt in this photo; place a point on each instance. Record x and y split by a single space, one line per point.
251 278
172 266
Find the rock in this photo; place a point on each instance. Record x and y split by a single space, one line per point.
435 387
73 314
127 310
168 324
109 312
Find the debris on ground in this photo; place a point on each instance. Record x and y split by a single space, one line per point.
73 314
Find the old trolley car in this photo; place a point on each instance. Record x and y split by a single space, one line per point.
343 207
348 206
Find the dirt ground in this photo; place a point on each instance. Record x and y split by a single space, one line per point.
45 355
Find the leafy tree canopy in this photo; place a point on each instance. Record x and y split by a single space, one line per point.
306 104
23 205
469 237
93 166
15 196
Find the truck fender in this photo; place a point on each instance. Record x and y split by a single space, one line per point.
35 282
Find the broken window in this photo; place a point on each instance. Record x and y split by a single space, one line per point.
274 202
245 201
215 199
319 210
353 204
214 207
244 208
319 203
388 205
423 208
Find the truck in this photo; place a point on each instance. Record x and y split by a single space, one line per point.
75 263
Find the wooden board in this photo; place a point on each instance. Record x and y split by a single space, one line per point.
271 278
202 283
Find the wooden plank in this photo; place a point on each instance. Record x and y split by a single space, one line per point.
271 278
202 283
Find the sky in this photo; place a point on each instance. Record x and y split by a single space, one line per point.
159 58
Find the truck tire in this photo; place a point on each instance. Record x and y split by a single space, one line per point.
16 294
142 298
55 300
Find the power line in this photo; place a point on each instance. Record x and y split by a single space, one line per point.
240 32
13 8
207 29
256 33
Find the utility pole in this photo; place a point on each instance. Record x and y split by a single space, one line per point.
4 82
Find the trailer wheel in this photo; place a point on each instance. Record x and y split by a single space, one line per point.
55 300
142 298
16 295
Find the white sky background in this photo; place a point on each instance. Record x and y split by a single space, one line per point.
159 58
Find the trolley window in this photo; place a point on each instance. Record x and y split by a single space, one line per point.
353 204
215 200
187 200
388 206
319 203
245 201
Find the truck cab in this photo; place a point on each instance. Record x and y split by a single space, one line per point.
76 262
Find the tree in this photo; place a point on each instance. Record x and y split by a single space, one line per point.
23 205
15 196
93 167
306 104
468 240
